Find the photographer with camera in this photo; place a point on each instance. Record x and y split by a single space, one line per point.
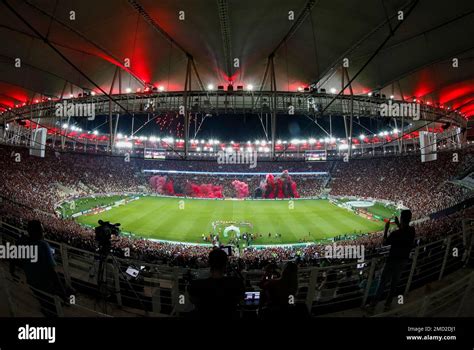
401 241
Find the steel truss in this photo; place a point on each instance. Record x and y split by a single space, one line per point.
235 103
200 104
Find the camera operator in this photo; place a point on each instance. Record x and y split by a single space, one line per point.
218 296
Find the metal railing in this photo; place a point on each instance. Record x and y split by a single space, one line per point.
161 290
447 302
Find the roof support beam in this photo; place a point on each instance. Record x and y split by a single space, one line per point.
418 68
346 53
58 52
187 89
273 88
141 10
36 69
403 118
301 18
111 122
10 97
351 117
372 56
223 9
145 15
303 15
75 31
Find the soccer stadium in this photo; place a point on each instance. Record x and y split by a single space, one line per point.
249 160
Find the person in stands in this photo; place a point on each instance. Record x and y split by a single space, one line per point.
401 242
218 296
41 275
279 295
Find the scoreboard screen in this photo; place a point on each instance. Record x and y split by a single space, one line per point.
156 154
315 156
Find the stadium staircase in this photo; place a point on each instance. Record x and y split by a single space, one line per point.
64 191
327 181
332 167
468 167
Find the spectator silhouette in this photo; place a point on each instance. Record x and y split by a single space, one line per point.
218 296
278 291
41 275
401 241
279 295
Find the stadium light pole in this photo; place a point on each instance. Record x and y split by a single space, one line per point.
402 143
187 88
306 11
273 88
348 132
111 129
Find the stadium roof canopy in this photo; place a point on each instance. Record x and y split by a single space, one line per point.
416 61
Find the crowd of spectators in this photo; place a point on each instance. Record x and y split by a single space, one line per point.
174 254
31 186
422 187
42 182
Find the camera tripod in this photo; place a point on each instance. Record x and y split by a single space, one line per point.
102 279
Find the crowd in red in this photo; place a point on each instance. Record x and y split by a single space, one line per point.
31 187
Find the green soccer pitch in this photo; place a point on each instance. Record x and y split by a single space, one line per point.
185 220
